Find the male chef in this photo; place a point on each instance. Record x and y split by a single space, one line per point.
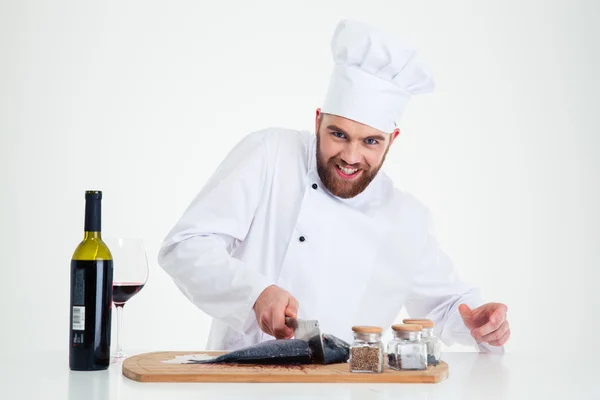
305 224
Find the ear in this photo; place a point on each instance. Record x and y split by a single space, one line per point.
394 135
317 118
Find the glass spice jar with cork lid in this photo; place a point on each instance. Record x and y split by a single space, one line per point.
427 336
366 351
406 351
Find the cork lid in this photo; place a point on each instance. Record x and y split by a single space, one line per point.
367 329
407 328
425 323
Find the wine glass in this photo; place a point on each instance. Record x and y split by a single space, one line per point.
130 273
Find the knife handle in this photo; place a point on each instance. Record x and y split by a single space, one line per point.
291 322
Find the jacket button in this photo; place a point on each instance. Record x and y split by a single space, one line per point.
314 186
302 238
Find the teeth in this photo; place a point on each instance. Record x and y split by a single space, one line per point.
347 171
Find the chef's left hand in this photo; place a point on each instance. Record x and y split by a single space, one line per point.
487 323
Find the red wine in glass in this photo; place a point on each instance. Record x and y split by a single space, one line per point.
130 267
124 291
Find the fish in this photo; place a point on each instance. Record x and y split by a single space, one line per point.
335 350
285 352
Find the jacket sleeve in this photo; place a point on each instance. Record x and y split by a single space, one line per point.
196 252
438 291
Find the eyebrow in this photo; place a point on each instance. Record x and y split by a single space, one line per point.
338 129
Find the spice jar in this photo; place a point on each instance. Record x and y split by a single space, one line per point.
366 351
406 351
427 336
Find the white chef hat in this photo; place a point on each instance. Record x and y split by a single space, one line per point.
374 76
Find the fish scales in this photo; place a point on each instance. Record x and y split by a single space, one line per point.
284 352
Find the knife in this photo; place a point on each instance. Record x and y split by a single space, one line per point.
309 331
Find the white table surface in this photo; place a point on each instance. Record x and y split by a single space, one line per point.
471 376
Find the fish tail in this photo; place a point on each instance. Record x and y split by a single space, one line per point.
215 360
200 362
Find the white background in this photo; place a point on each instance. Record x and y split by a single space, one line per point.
142 99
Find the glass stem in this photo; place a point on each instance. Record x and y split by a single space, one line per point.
119 330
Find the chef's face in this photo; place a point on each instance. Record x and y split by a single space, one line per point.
349 154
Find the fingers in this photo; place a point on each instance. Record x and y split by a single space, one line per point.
280 329
489 327
499 315
467 315
497 334
494 322
465 311
271 308
502 340
264 322
292 307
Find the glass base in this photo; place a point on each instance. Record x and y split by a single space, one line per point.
118 357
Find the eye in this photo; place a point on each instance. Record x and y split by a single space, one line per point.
372 141
338 134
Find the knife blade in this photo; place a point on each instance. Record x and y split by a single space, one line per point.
309 331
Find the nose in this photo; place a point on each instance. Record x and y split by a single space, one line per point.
351 154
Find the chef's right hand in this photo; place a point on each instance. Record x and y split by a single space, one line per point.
271 308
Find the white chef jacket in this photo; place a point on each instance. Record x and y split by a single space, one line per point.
265 218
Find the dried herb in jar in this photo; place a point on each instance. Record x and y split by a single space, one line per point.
366 359
366 352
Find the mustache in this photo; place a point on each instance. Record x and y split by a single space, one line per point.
342 163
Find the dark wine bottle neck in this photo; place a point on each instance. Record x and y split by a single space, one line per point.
93 216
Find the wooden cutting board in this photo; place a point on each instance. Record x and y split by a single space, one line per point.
148 367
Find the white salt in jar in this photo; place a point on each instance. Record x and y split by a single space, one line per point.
406 351
434 344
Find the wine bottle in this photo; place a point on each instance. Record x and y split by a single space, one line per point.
91 294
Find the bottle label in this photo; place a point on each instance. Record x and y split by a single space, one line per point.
78 318
79 301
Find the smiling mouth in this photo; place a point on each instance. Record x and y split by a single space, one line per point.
347 173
